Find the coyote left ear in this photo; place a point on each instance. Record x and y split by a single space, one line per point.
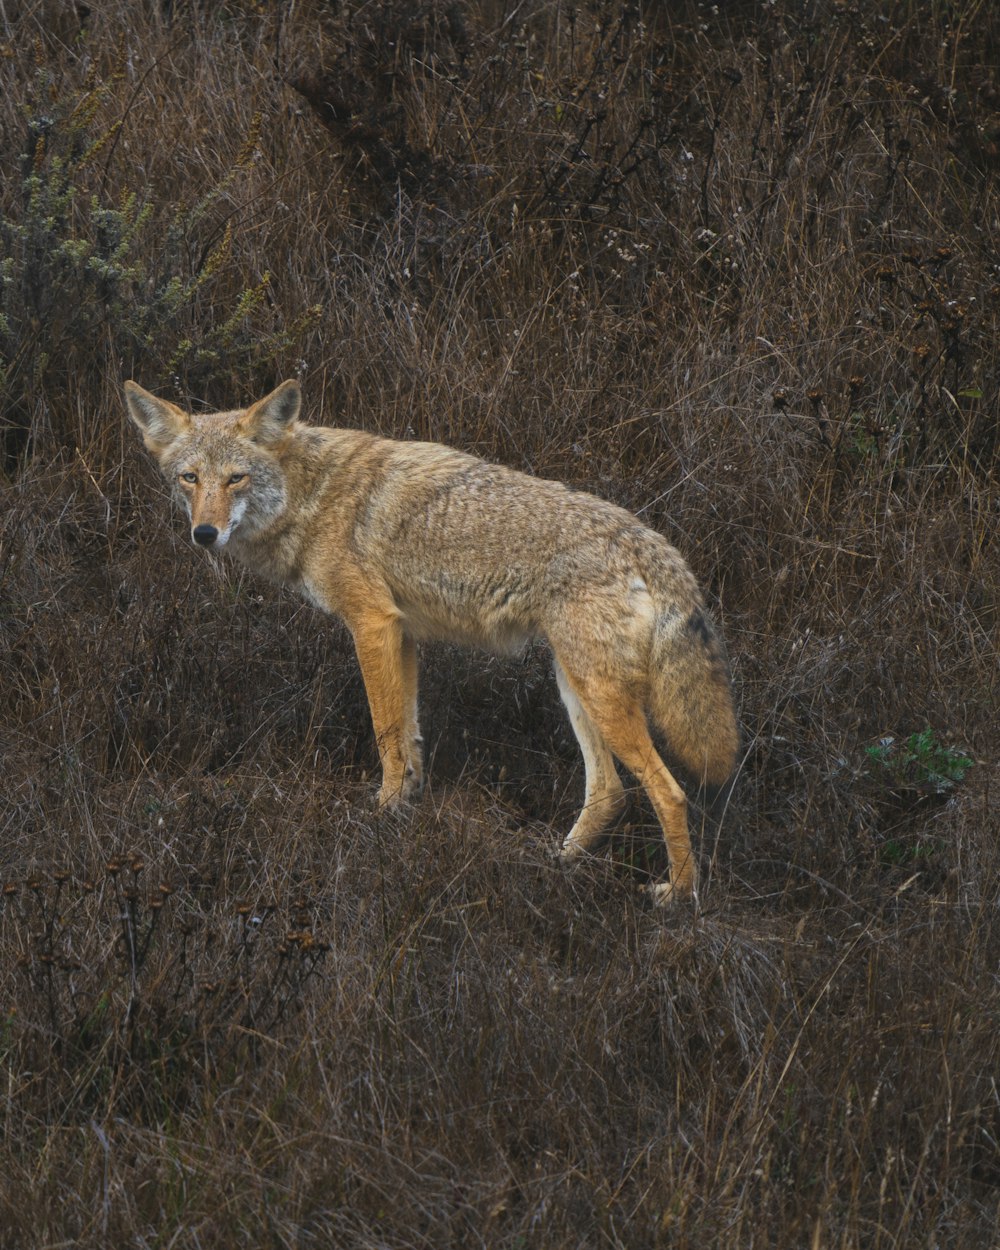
268 420
160 422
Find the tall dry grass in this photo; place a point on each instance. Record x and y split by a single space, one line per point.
736 270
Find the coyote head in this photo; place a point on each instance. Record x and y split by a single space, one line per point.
224 467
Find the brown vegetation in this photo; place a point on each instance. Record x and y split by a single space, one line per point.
736 267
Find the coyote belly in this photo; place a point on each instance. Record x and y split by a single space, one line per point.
414 541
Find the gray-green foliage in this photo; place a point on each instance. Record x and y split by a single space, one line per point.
86 276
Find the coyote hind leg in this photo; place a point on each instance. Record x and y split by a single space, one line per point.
413 743
620 723
605 796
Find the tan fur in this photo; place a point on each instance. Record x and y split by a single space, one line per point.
411 541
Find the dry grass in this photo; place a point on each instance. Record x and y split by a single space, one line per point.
739 273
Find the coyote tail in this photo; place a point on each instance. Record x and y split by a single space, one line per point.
690 695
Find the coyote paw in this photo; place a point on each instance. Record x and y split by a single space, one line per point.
666 893
570 851
399 793
576 844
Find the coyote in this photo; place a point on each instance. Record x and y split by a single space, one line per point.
410 541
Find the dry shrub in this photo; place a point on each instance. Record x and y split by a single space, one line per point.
736 270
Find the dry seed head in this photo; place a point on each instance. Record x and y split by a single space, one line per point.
248 152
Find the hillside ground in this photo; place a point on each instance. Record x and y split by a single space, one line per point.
735 267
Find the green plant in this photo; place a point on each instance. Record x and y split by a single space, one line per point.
919 762
900 852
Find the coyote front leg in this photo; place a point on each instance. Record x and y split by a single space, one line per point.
388 663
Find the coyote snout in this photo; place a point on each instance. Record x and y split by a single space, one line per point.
205 535
410 541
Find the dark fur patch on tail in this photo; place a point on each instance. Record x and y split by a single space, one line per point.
699 628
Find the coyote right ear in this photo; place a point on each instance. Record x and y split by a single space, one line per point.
269 419
160 422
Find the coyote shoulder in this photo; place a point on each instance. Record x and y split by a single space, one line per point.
410 541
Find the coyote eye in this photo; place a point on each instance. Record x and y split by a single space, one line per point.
189 477
236 478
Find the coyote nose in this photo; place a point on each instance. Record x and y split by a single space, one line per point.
205 535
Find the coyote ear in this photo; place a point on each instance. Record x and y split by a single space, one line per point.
269 419
160 422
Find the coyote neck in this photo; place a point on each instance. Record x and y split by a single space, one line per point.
316 465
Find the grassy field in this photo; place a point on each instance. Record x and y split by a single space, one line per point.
735 267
